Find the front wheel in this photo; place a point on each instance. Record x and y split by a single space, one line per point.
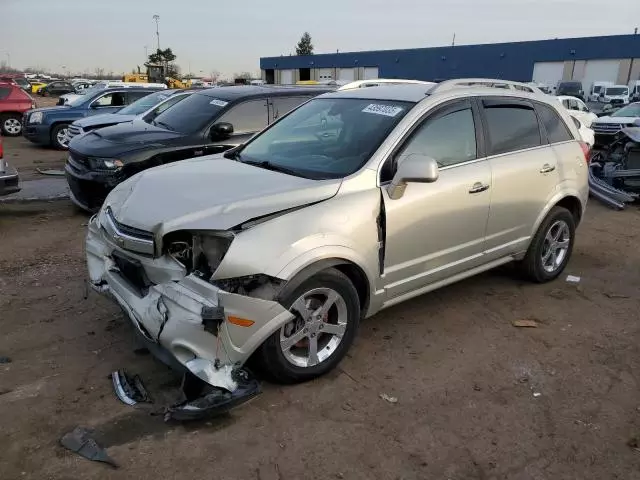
551 247
326 311
59 137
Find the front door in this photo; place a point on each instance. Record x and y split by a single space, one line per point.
524 171
108 103
437 230
247 119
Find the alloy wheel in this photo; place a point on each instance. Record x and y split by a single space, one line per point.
62 138
318 327
556 246
12 126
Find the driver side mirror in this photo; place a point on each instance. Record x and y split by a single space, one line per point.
221 131
415 168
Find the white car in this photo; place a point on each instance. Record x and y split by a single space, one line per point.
587 134
605 128
614 94
578 109
376 82
66 98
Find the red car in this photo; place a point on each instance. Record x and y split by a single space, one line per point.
13 103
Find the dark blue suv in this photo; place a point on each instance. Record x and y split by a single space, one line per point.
48 126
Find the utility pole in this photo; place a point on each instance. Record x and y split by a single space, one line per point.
157 19
146 53
453 42
8 59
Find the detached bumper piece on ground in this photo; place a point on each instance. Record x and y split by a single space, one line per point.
80 440
129 390
614 174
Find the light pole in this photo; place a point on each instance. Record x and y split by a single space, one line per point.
146 54
157 19
8 59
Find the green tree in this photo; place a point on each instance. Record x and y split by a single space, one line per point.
163 57
304 47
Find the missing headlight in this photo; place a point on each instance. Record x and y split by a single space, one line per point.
199 252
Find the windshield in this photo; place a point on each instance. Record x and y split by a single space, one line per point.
191 114
145 103
632 110
597 89
616 91
96 88
74 102
326 137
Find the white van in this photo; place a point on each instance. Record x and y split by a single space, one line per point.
615 94
634 90
107 84
596 88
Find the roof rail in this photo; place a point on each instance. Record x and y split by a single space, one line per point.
484 82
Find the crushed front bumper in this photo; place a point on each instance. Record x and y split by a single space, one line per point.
185 316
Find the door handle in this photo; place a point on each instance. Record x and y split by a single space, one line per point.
478 187
546 168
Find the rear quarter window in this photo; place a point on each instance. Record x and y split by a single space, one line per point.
4 92
555 127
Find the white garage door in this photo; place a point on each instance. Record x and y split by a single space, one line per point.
325 74
347 74
549 73
286 77
599 71
370 73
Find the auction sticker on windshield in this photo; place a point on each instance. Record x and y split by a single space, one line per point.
386 110
218 103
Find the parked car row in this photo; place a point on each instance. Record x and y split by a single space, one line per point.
266 222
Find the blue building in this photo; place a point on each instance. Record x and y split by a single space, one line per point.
588 59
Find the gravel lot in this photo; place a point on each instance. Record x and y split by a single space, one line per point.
477 397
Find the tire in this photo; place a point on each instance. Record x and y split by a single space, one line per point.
539 265
284 365
56 136
11 125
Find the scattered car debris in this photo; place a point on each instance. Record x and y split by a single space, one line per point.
573 279
50 171
202 400
129 390
388 398
525 323
5 360
634 443
536 394
614 173
81 441
615 295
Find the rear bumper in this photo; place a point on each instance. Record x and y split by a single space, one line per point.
38 134
183 317
9 180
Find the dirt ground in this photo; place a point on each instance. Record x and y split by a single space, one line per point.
477 398
27 157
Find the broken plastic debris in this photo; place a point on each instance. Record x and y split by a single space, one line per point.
536 394
573 279
5 360
51 171
525 323
80 441
202 400
129 390
388 398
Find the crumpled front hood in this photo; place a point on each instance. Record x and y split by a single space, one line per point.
210 193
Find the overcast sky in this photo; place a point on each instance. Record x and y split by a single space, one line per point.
231 35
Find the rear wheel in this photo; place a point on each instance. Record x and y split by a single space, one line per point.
551 247
326 311
59 137
11 125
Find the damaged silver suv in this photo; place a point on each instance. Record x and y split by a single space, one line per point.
353 202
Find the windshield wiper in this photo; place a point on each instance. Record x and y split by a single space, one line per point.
267 165
162 124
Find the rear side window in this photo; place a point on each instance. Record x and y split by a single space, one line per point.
557 130
511 127
4 92
248 116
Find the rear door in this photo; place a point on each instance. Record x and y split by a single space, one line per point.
524 173
132 96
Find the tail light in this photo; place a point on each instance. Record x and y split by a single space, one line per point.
586 150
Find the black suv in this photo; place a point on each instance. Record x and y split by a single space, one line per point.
571 89
206 122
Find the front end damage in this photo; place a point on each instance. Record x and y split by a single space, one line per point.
186 321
